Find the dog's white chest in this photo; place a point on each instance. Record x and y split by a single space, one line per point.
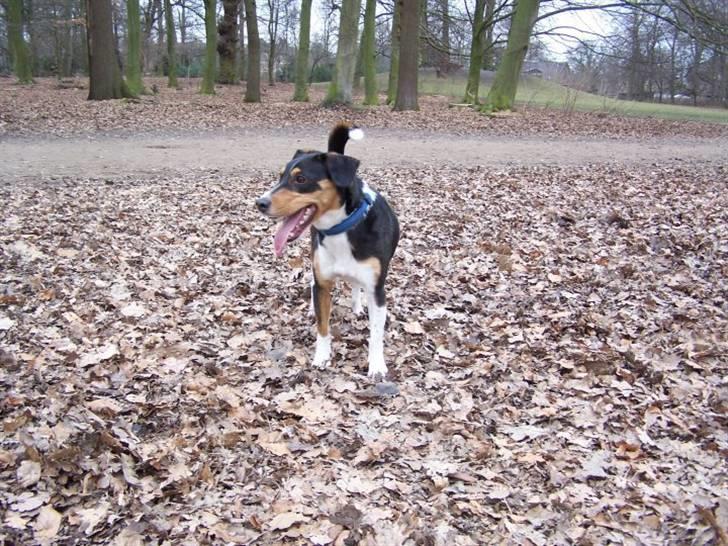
335 260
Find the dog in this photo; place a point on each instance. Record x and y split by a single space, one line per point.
354 233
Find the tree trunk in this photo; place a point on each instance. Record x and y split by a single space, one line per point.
105 77
695 75
227 44
67 57
340 89
476 54
209 69
171 45
159 66
32 31
134 54
394 59
635 85
22 66
183 24
444 53
274 8
304 42
408 65
252 87
488 51
359 70
503 93
241 41
369 57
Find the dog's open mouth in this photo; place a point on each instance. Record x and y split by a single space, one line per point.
292 228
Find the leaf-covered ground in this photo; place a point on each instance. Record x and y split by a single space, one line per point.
50 108
557 342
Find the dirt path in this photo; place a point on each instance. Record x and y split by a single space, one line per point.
268 149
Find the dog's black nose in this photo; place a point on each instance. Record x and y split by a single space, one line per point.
263 204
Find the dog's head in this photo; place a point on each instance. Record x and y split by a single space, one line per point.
311 185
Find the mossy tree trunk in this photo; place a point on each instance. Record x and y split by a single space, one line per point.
408 56
227 44
171 45
340 88
369 57
302 57
252 87
476 54
503 92
105 79
209 68
134 47
22 65
394 55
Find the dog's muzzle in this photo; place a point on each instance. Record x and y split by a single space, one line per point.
263 204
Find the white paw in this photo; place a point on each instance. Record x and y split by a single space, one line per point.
322 357
377 367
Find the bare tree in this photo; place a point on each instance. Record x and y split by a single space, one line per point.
106 81
171 45
227 43
134 47
340 88
368 54
408 62
503 92
209 69
302 58
22 65
252 82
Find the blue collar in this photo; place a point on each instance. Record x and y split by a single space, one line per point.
353 219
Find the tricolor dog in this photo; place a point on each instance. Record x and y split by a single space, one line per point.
353 235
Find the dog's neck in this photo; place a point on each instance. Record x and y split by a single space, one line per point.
330 218
351 200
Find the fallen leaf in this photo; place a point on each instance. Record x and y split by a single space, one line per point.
28 473
286 520
47 524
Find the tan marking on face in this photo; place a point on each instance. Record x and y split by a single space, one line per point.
323 298
375 265
286 202
295 171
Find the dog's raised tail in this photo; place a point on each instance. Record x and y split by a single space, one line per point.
341 134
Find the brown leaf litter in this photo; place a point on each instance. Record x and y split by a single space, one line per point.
557 343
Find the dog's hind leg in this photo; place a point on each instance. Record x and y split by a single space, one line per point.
356 305
312 307
321 292
377 319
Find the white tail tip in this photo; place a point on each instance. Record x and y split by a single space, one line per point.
356 133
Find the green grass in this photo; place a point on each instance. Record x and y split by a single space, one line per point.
541 93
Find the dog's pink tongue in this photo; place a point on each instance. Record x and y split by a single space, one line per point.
281 238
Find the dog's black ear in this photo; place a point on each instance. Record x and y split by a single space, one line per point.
300 153
342 169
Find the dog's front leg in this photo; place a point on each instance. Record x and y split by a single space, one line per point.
322 308
377 318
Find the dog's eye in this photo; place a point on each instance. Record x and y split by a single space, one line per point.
299 179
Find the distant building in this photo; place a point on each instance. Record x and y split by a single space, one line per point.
548 70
